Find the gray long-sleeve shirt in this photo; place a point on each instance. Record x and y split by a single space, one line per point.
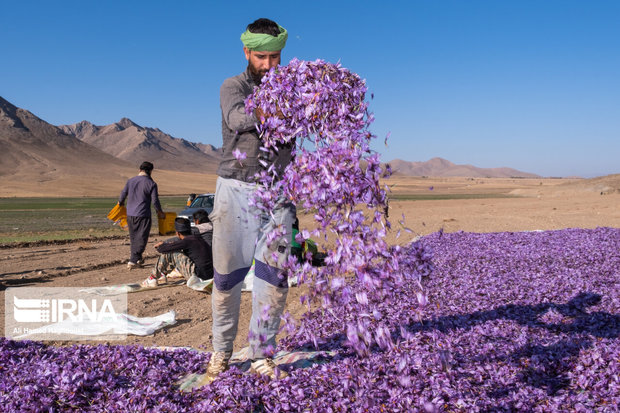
239 132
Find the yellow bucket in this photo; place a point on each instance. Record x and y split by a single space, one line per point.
166 225
118 214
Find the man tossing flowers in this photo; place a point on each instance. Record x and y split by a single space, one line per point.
240 230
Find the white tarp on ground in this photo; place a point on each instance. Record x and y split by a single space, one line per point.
194 283
125 288
121 324
197 284
284 359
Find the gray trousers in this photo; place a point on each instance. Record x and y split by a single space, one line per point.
240 236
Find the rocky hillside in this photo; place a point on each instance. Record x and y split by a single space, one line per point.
443 168
131 142
32 150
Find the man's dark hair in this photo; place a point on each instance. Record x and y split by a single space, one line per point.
264 26
146 167
182 226
201 216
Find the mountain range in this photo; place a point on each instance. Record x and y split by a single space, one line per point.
131 142
39 159
440 167
34 152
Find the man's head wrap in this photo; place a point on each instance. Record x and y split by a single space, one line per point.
265 42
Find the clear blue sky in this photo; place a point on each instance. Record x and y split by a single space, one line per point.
532 85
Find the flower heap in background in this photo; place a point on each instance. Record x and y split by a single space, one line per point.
319 109
524 321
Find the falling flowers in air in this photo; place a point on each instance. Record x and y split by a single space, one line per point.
239 156
319 110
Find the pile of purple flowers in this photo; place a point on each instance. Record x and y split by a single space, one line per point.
515 322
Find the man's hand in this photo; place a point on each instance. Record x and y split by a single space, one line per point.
258 112
158 244
161 214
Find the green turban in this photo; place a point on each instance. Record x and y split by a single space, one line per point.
265 42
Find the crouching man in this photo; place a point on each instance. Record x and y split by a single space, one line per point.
188 253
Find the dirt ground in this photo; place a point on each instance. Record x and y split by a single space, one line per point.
96 263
